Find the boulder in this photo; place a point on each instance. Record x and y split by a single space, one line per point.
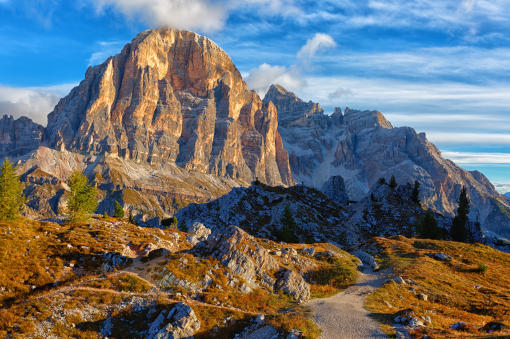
180 322
294 285
197 233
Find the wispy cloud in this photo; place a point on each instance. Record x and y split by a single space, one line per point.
104 50
184 14
33 102
455 138
478 158
262 77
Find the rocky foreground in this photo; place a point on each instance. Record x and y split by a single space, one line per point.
109 278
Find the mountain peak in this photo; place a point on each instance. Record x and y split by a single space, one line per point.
172 96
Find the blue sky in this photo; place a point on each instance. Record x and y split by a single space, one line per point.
440 66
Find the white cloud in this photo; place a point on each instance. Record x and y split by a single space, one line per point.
320 40
201 15
502 187
262 77
33 102
340 92
478 158
460 138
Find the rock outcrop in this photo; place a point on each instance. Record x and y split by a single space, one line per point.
362 146
18 136
258 209
172 97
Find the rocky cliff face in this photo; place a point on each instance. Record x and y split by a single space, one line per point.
362 146
172 97
18 136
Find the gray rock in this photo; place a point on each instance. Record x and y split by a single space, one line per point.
197 233
294 285
423 297
366 259
18 136
334 188
255 332
399 280
441 256
180 322
458 326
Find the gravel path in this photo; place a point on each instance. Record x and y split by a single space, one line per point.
343 316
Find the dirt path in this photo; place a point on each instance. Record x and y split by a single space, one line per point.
343 316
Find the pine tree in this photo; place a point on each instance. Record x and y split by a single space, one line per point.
288 231
83 199
393 182
11 192
428 227
416 192
459 230
119 211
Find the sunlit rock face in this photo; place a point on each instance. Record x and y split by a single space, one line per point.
173 97
362 146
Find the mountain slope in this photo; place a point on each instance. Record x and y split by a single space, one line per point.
362 146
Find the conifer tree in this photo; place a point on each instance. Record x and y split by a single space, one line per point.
428 227
459 230
83 199
288 231
119 211
393 182
416 192
11 192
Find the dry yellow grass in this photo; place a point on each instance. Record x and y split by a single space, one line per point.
457 289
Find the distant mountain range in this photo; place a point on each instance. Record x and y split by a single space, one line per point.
170 121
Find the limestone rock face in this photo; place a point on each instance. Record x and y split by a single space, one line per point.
18 136
173 97
362 146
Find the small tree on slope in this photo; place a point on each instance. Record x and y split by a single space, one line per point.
459 231
288 231
119 211
11 192
83 199
393 182
416 192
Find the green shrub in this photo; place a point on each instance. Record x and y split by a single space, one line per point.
482 268
170 222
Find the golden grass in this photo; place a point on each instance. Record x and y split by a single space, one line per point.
457 289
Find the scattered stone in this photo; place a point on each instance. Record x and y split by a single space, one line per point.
399 280
388 304
440 256
459 326
294 334
423 297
